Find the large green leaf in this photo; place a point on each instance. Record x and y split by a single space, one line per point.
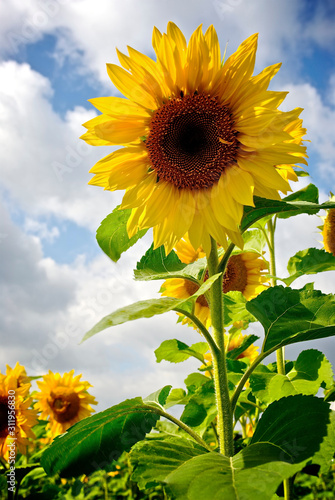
297 424
175 351
309 261
310 370
112 234
264 207
289 433
253 474
93 443
289 316
146 309
155 458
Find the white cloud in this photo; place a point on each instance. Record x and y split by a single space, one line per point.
319 118
89 35
47 308
48 173
41 230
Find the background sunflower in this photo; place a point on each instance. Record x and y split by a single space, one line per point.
63 401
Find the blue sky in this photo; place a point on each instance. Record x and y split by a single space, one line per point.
56 282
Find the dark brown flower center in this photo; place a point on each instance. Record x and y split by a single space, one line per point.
3 416
191 141
191 288
235 276
64 403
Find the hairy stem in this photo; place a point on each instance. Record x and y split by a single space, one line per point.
225 415
271 232
280 354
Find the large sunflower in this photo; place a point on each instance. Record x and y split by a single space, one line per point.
245 272
63 400
16 418
200 137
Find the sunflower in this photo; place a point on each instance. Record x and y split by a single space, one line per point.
16 418
199 137
233 342
63 400
245 272
328 229
186 252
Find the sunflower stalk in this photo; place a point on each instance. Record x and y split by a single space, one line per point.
225 415
280 354
271 226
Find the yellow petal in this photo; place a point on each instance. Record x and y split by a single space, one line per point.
117 106
129 87
123 131
240 185
91 138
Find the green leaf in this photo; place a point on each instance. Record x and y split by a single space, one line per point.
254 241
159 397
175 351
234 306
146 309
93 443
310 370
288 434
324 456
253 474
156 263
264 207
155 458
296 424
176 397
308 193
309 261
195 380
201 409
289 316
112 234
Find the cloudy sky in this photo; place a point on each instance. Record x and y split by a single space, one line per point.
56 283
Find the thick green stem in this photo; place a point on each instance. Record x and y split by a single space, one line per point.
225 415
280 354
271 232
